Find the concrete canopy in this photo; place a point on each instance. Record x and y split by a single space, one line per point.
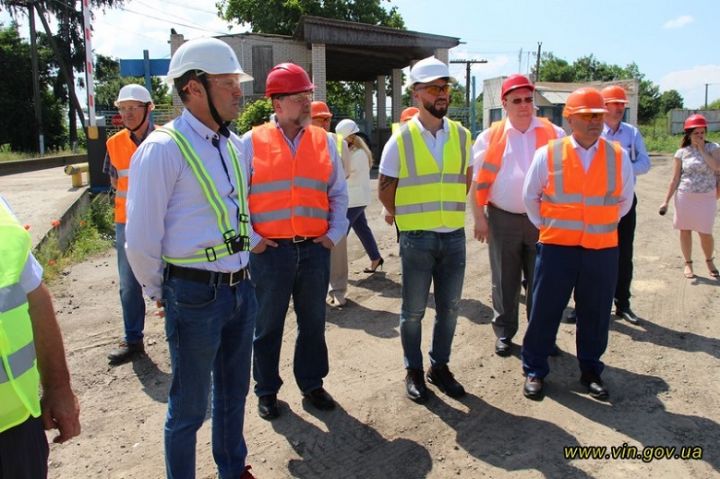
361 52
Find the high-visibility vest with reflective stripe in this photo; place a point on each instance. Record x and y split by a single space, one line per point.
580 208
289 195
120 148
496 150
426 197
19 377
224 220
339 143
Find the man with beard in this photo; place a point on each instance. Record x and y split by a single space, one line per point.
424 179
298 204
575 192
134 104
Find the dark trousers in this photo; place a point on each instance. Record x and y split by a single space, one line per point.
626 235
24 451
559 270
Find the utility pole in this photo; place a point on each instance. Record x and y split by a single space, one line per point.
537 64
36 81
467 77
706 90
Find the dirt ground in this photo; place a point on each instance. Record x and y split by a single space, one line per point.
662 374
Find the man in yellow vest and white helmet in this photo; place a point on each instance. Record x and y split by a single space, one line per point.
31 354
424 178
134 104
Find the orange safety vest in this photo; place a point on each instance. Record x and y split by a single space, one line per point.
496 150
289 195
121 147
581 208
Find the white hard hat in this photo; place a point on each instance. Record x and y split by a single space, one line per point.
133 92
429 69
209 55
346 128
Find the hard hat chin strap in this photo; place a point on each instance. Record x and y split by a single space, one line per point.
213 112
145 115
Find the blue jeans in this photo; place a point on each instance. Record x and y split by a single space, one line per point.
209 332
131 296
358 222
300 271
438 257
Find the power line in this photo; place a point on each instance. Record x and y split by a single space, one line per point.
186 25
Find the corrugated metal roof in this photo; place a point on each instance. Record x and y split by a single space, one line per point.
555 97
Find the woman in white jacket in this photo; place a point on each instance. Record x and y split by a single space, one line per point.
358 185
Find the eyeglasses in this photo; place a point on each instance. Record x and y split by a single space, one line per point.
590 116
124 110
517 101
226 83
302 97
436 90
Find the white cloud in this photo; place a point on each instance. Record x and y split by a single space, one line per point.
678 22
690 84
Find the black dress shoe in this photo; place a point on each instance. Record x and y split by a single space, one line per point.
415 385
320 399
443 379
595 387
555 351
570 318
125 352
533 388
627 314
267 407
503 347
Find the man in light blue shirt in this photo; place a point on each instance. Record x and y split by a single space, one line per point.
188 234
632 142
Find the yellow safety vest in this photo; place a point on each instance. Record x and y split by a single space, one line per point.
426 197
19 377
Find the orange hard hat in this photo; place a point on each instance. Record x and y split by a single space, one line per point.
287 78
513 82
584 100
318 109
614 94
695 121
408 113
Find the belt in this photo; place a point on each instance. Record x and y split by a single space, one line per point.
506 211
293 240
207 277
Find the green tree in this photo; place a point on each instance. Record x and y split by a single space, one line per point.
108 83
18 118
714 105
282 16
670 99
255 113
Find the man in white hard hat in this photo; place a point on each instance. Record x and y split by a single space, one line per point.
424 178
188 236
134 104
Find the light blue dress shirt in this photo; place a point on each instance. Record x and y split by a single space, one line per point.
168 214
337 190
632 142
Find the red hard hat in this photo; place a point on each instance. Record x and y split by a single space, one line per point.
319 109
584 100
695 121
287 78
408 113
513 82
614 94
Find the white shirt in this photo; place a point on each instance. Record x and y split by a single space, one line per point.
537 179
390 159
358 183
506 190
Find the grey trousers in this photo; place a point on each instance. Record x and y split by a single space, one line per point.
512 249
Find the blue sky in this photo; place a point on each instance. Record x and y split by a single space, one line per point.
674 43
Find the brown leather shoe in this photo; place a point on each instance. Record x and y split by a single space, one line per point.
415 385
125 352
533 388
441 377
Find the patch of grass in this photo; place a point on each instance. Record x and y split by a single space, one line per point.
8 155
658 140
93 232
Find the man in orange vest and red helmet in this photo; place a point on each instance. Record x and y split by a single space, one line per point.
298 203
575 192
502 156
134 104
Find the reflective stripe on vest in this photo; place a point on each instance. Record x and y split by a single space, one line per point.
213 197
289 192
427 198
339 144
496 151
579 208
19 377
120 148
